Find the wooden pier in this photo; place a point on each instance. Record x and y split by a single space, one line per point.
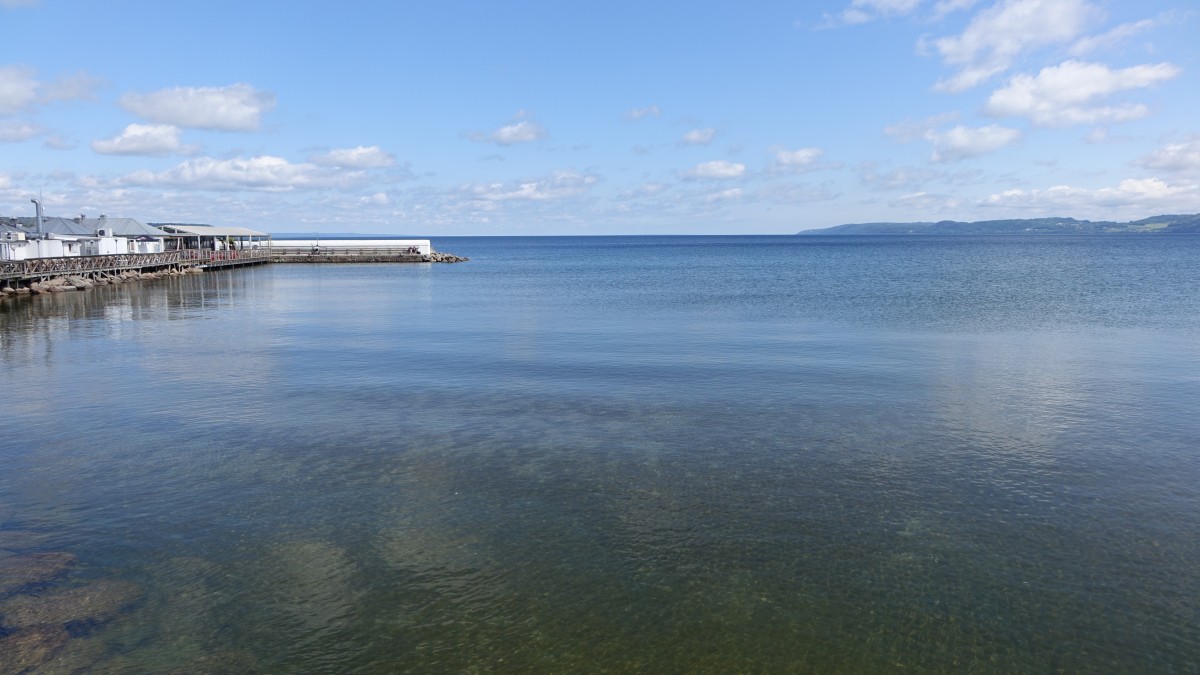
17 274
22 272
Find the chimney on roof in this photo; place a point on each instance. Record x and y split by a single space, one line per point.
80 218
38 204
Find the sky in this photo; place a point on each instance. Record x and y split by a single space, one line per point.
562 118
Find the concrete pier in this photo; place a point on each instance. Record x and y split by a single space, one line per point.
359 254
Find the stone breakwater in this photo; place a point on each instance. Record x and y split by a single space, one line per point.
78 283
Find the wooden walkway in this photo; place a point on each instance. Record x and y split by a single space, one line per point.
24 272
39 269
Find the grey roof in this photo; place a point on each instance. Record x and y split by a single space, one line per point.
86 227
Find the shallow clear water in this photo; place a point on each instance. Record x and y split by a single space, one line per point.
657 454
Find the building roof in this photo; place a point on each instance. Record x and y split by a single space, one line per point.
208 231
86 227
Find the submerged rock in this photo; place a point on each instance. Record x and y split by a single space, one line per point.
96 602
80 655
18 571
29 648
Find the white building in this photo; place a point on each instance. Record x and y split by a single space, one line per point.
63 237
13 244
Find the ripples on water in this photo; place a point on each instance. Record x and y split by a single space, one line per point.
631 454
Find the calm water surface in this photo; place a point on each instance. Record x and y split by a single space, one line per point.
625 454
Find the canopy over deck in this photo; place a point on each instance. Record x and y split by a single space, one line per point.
207 231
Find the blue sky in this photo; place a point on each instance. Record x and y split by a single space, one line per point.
464 118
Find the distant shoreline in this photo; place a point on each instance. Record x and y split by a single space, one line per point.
1164 224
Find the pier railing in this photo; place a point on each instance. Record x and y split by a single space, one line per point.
34 267
246 256
278 251
84 265
306 254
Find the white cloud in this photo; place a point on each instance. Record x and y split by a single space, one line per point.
639 113
143 139
80 86
1181 158
650 189
55 142
963 142
1058 95
862 11
797 161
922 202
558 185
910 130
522 130
716 169
18 89
941 9
355 158
1108 41
15 131
264 173
377 199
1001 33
238 107
1130 196
724 195
525 131
902 178
698 137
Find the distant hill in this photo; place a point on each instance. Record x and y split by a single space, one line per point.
1156 224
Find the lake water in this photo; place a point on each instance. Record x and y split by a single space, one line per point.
624 454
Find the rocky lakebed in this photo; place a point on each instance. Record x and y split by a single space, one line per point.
56 609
